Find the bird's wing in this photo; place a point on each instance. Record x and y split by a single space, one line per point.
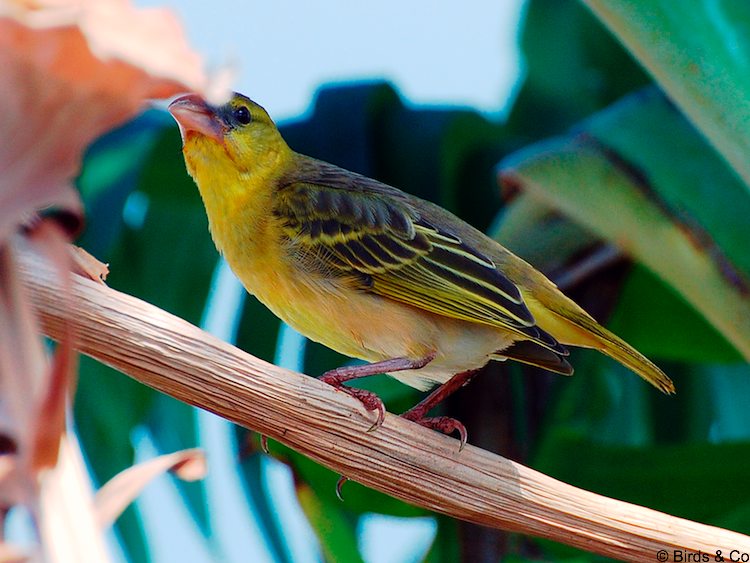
383 241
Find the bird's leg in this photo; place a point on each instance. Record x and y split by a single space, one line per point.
337 377
443 424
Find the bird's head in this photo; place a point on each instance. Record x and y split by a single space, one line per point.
238 135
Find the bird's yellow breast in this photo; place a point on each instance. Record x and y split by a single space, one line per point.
245 230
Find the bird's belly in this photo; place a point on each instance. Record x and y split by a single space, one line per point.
460 346
374 328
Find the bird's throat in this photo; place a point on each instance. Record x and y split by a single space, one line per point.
237 202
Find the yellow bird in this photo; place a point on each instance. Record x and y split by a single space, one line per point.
373 272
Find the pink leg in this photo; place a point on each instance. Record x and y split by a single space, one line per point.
337 377
443 424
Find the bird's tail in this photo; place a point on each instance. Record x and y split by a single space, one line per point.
582 330
616 348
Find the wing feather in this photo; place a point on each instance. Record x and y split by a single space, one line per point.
353 227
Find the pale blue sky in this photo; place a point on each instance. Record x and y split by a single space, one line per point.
435 51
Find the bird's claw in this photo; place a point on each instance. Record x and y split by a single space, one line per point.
264 443
444 424
369 400
340 485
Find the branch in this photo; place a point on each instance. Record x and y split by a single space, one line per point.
402 459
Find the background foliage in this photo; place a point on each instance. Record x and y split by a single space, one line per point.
619 164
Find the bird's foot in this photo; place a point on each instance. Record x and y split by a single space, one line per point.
444 424
369 400
337 377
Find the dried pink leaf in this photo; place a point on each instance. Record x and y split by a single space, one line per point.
68 523
23 363
6 465
49 408
124 487
71 70
84 264
11 554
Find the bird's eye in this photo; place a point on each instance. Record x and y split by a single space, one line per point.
242 115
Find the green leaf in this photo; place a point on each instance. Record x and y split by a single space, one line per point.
604 401
454 149
717 403
367 128
343 124
661 151
319 359
111 170
699 52
573 68
649 315
168 261
336 532
258 330
166 257
163 176
637 175
540 234
658 322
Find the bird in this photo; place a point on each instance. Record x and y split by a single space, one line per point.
373 272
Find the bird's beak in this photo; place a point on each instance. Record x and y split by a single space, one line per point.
192 113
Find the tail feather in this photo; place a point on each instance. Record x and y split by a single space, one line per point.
592 335
617 349
572 326
533 354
